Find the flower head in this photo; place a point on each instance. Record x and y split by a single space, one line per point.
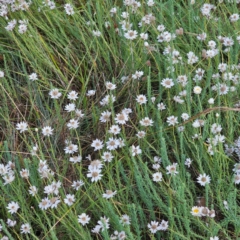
83 219
203 179
22 126
13 207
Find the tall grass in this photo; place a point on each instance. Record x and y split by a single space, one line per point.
66 55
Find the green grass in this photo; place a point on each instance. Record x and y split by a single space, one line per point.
62 50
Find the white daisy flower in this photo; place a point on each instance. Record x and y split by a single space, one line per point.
109 194
22 126
55 94
203 179
47 131
97 144
25 228
13 207
33 77
157 177
70 199
70 107
73 95
83 219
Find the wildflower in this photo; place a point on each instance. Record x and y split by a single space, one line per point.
167 83
55 94
77 184
73 124
198 123
33 77
75 159
153 226
234 17
70 199
73 95
172 121
11 223
135 150
172 169
196 211
121 118
1 74
96 33
44 204
137 75
192 58
47 131
197 90
212 44
157 177
163 225
144 36
161 106
127 110
32 190
11 25
83 219
203 179
216 128
185 116
13 207
4 169
225 203
112 144
121 235
214 238
25 228
34 150
188 162
96 164
90 93
114 129
107 157
22 126
211 214
105 116
141 134
52 188
108 99
110 86
70 107
109 194
131 34
97 144
96 229
236 168
150 3
146 122
69 9
54 201
178 99
141 99
8 178
22 28
24 173
79 113
237 178
94 174
211 101
125 219
156 166
104 223
71 148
